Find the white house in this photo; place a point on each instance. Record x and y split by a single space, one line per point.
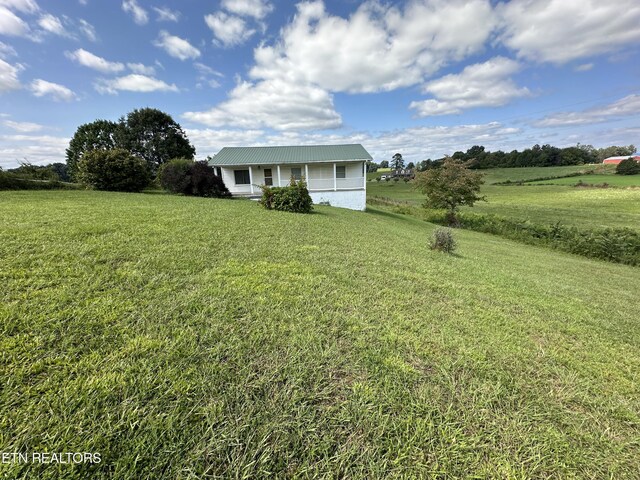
335 174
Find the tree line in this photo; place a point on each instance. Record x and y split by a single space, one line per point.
477 157
537 156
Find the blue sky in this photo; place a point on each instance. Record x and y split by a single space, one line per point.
420 77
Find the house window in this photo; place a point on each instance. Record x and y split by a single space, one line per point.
296 173
268 177
341 171
242 177
218 172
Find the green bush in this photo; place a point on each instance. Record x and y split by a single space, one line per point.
205 182
175 175
443 240
294 198
115 170
187 177
628 166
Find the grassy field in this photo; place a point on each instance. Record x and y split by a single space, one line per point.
544 204
596 179
494 175
195 338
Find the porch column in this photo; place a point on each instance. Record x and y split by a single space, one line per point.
306 175
251 178
279 179
335 178
364 174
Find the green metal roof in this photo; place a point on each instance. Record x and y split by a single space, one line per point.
292 154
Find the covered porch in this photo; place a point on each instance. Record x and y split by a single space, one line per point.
320 177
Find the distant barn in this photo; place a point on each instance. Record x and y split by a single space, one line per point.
617 160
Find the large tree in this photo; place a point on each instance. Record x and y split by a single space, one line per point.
98 135
397 161
450 187
153 135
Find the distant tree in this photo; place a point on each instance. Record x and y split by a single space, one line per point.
371 166
450 187
397 161
628 166
616 151
61 170
115 170
411 165
35 172
425 165
153 135
384 164
97 135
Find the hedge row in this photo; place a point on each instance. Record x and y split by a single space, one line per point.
11 181
619 245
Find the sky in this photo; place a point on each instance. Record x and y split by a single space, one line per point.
421 77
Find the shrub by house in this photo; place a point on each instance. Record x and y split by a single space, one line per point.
294 198
187 177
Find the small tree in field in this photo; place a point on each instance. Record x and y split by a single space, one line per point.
450 187
628 166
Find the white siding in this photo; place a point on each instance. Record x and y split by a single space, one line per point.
350 193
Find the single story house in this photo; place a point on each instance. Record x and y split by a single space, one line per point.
335 174
617 160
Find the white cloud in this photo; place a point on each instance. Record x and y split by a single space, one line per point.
275 104
257 9
229 30
415 144
42 88
88 30
176 47
140 15
133 83
204 76
378 48
24 6
9 76
625 107
7 51
166 14
142 69
52 24
479 85
562 30
94 62
37 149
23 127
585 67
11 24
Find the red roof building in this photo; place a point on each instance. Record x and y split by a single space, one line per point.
617 160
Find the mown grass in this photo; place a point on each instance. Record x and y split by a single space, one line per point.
197 338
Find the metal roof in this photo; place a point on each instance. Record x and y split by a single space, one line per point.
290 154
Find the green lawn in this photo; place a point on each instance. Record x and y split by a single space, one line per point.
197 338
